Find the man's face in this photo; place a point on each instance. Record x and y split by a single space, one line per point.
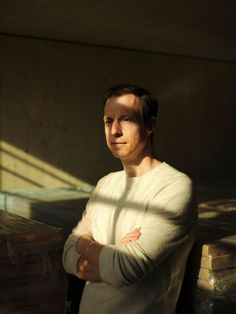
126 135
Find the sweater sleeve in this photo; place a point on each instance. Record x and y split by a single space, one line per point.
168 224
70 254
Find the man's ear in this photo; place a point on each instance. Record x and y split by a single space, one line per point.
151 126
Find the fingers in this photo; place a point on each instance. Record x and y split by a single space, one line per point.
135 234
131 236
82 266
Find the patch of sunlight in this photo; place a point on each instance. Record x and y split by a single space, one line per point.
21 170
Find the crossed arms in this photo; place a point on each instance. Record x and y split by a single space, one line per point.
88 263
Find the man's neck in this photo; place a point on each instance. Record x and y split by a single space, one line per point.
139 168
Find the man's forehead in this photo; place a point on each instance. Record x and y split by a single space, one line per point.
125 104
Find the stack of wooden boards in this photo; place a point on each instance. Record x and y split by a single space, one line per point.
32 279
61 207
210 281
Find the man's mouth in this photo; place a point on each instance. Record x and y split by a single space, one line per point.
117 143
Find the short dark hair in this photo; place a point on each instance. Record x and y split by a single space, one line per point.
148 103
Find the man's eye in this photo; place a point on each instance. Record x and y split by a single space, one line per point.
127 119
108 122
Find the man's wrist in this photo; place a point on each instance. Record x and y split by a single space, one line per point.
83 243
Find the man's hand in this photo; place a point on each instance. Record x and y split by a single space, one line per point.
131 236
88 263
84 242
86 271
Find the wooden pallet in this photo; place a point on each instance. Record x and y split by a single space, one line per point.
210 281
32 279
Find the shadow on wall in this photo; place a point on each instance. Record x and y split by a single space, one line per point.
19 169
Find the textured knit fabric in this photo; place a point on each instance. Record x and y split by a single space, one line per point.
143 276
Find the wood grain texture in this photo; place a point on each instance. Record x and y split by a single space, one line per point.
32 279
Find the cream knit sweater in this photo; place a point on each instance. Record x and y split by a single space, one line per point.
143 276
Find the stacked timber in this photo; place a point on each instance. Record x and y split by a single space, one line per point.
32 279
210 281
61 207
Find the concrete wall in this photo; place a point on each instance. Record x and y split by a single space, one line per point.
50 125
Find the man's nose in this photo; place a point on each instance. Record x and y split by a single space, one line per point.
116 128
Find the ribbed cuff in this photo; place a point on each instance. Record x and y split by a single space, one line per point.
72 259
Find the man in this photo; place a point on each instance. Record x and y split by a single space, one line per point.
136 233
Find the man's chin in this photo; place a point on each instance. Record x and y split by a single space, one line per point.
116 154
